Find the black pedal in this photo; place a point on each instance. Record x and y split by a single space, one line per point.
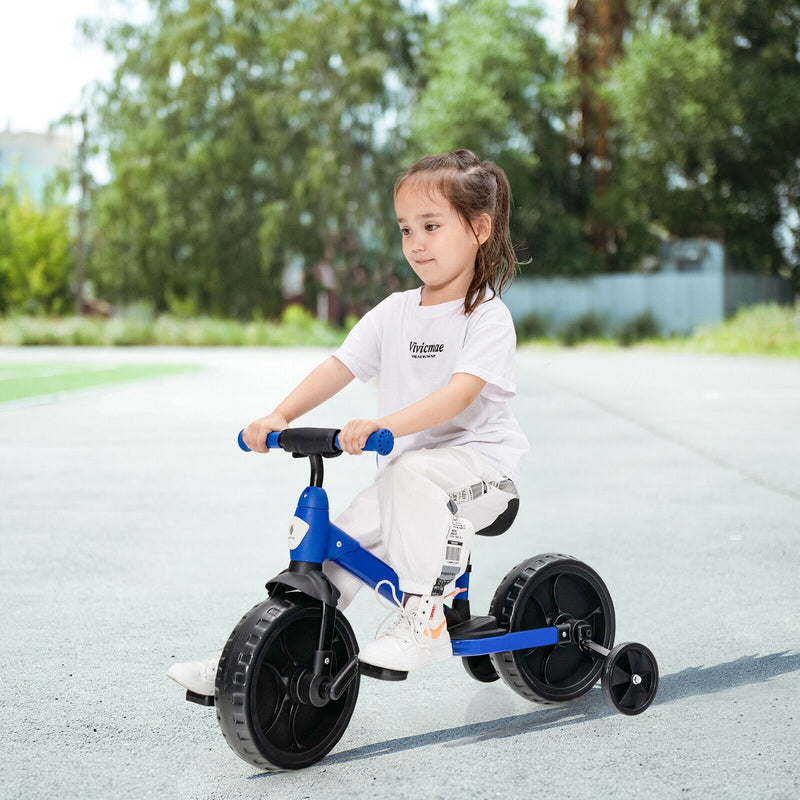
200 699
381 673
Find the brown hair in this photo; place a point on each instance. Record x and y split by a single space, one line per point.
474 187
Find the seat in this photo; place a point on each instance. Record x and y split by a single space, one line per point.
503 522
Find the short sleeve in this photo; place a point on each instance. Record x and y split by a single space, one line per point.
489 352
361 350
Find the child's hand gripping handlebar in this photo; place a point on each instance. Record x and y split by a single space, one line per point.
321 441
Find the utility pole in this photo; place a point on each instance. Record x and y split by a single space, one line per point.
83 215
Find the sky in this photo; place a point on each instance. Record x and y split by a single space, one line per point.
44 64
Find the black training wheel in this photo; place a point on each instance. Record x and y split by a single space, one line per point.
541 592
259 714
480 668
630 678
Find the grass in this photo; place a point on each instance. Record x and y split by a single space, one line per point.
756 330
23 381
138 327
767 330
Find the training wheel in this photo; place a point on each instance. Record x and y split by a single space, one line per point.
630 678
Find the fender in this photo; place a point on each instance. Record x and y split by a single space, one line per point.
306 578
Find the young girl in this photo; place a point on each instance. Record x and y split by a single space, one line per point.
445 356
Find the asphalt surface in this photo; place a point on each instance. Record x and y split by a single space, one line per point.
134 533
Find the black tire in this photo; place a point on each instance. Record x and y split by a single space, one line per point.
261 721
630 678
543 591
480 668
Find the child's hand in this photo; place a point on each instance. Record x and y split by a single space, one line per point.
353 436
255 434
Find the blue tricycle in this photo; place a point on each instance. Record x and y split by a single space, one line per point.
289 674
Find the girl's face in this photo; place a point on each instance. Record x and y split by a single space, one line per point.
439 245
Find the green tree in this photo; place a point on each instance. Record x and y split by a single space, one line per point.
244 136
706 100
36 254
490 83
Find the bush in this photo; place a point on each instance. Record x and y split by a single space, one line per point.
767 329
532 326
36 259
638 329
587 326
137 326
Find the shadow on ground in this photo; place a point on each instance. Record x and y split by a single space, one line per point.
690 682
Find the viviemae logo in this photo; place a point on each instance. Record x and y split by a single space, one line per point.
425 350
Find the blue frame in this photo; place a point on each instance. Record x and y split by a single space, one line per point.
324 541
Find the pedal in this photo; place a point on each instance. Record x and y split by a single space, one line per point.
200 699
381 673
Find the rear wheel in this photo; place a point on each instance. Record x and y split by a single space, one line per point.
480 668
258 707
544 591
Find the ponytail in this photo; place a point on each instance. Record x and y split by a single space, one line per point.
474 187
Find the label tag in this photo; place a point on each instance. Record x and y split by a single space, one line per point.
297 532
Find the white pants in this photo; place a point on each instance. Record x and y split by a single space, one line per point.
420 514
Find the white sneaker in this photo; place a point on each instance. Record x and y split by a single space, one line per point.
418 637
196 676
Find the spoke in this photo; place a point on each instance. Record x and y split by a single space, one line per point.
543 596
625 700
293 714
281 656
636 660
638 696
574 596
270 691
278 732
619 676
535 660
562 664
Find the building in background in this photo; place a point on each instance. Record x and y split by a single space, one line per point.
33 161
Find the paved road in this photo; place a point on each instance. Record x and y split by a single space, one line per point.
134 533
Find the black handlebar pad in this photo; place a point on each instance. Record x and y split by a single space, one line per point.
310 441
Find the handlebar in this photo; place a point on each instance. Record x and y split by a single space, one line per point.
321 441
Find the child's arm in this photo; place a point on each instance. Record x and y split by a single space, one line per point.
322 383
434 409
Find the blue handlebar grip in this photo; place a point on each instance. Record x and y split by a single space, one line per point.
272 440
380 442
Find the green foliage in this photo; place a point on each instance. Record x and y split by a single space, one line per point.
138 327
36 255
491 84
242 136
706 103
641 328
532 326
586 327
249 136
767 329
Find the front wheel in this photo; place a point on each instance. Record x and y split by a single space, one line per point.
260 714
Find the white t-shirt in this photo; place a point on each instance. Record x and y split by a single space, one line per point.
416 349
